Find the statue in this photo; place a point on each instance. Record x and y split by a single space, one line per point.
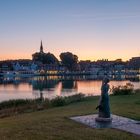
104 105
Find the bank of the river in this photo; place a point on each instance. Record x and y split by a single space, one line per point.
54 123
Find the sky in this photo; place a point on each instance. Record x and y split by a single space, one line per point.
91 29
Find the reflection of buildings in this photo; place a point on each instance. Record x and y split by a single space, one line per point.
53 85
44 83
14 81
69 85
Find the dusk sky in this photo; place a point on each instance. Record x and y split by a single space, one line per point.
92 29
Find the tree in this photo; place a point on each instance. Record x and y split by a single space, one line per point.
51 59
45 58
69 60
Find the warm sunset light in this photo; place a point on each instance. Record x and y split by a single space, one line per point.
69 69
91 29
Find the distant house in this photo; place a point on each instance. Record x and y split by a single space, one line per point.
94 69
20 66
133 66
16 67
6 66
119 69
84 65
33 66
134 62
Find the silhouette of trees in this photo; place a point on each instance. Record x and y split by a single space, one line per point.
69 60
45 58
51 59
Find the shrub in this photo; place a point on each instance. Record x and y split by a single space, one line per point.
15 103
74 98
58 101
11 107
123 90
137 91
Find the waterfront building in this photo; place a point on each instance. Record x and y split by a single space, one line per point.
134 62
5 66
31 66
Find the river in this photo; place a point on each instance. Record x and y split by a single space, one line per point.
52 86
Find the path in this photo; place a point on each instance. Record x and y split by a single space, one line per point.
118 122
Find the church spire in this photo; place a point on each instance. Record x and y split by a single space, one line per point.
41 47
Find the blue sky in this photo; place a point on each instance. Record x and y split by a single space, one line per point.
92 29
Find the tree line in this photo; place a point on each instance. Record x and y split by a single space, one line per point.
68 59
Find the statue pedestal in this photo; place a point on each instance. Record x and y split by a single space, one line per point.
103 122
101 119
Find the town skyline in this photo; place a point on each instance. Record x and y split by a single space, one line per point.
91 29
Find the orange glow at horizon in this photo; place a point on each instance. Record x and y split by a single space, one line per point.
81 56
85 50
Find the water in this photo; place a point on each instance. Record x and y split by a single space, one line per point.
52 86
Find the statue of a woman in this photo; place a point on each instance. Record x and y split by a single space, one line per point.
104 105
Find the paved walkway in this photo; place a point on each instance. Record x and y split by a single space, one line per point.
118 122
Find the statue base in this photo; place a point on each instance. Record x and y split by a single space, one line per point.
101 119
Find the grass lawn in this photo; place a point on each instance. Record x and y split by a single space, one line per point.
54 123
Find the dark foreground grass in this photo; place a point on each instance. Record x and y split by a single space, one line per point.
54 123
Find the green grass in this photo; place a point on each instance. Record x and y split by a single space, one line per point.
54 123
18 106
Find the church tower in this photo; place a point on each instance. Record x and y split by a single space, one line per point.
41 48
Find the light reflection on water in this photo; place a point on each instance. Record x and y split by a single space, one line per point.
51 87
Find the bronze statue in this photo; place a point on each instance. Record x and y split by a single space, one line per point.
104 105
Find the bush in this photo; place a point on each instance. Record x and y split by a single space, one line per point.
15 103
61 101
12 107
58 101
127 89
137 91
74 98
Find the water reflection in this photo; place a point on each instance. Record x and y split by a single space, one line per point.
133 78
70 84
43 84
39 87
